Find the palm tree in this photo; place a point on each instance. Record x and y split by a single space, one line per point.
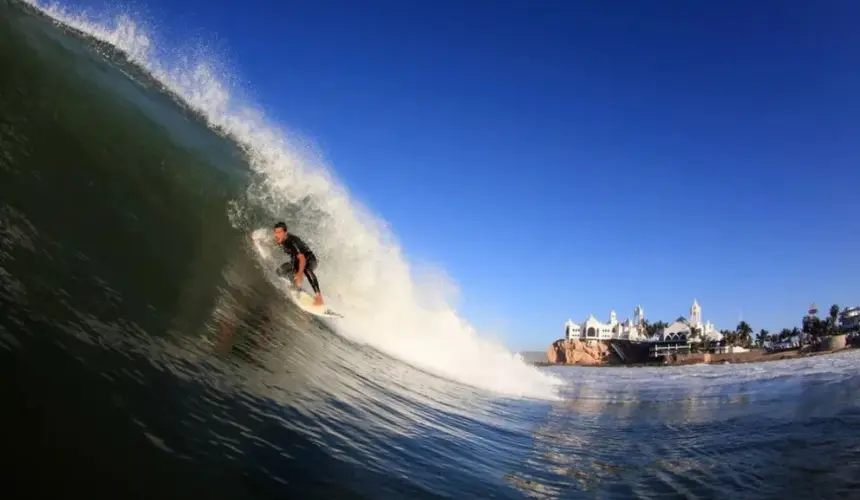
653 328
833 320
744 333
834 312
762 337
703 343
814 327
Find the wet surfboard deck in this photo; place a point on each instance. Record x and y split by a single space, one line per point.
305 301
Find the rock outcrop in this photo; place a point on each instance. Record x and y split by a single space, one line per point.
578 352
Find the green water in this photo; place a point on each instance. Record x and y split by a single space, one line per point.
116 202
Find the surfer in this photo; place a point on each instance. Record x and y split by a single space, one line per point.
302 260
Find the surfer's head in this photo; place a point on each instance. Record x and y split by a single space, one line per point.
280 232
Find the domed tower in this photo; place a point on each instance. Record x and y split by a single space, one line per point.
613 318
696 313
638 315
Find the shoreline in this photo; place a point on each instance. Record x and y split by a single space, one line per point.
735 359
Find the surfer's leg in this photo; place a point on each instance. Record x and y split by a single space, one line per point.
312 279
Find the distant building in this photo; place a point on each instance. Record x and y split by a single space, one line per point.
631 329
593 329
850 319
681 330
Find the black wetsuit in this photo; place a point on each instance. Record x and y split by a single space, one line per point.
295 247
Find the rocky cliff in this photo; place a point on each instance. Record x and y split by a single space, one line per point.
578 352
597 352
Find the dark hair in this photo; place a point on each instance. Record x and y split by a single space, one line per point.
282 225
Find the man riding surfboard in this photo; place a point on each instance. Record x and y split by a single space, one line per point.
302 260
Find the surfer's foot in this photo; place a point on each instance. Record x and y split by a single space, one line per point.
318 301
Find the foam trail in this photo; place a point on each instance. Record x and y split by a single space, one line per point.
361 268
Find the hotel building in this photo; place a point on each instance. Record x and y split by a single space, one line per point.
631 329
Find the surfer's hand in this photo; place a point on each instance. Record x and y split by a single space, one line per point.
298 280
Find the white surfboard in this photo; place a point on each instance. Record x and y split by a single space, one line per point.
300 297
305 301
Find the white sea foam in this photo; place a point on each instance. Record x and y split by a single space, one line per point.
362 269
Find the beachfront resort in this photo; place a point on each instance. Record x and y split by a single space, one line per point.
636 329
692 334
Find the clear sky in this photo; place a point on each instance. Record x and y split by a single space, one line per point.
561 158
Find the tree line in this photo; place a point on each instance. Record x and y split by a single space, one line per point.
813 328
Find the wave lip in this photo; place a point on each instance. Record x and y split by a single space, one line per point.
362 268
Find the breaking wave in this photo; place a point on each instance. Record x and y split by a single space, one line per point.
387 303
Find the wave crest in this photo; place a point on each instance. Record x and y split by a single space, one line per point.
361 267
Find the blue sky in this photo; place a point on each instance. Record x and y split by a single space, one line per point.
566 158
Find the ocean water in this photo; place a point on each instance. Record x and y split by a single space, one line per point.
146 351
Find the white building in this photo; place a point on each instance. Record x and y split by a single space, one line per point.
681 330
851 319
592 329
631 329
